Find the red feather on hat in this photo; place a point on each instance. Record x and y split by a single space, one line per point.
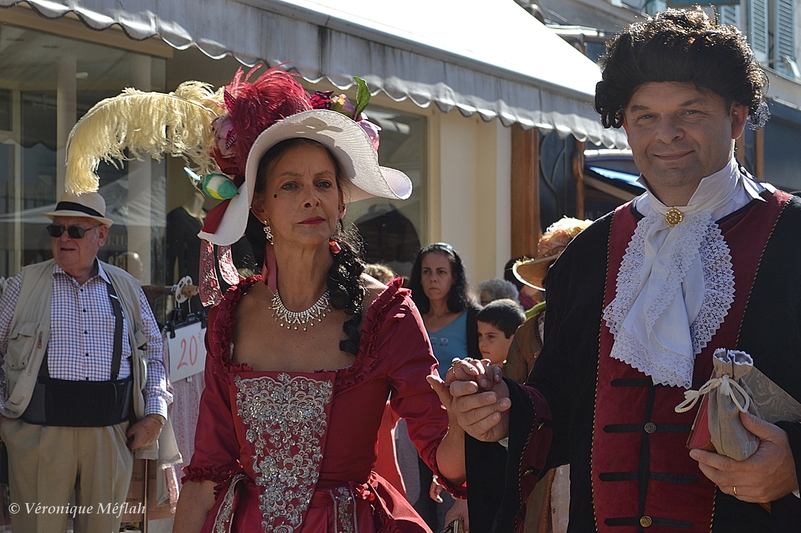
255 106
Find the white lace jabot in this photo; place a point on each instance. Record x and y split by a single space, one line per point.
676 283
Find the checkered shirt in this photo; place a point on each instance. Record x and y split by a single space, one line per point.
81 344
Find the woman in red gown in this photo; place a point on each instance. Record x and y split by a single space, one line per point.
302 359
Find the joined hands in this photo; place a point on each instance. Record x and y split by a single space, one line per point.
476 398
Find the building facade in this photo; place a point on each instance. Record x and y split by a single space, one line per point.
458 98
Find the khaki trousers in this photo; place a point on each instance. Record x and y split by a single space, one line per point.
48 465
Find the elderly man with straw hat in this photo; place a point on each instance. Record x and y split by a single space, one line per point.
81 356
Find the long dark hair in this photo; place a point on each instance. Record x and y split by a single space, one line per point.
459 297
345 287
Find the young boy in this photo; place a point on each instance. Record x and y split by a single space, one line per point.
497 324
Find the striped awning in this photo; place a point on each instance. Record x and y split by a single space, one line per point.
489 58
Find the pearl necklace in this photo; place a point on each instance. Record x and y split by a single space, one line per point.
293 320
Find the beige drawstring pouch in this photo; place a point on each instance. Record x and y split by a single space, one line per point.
735 386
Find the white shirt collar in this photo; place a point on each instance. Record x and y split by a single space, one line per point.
746 190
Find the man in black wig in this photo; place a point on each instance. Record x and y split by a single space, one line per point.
707 258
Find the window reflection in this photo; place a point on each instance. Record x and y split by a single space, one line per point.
47 82
391 229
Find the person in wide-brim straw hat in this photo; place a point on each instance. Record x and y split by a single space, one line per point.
550 246
347 142
316 339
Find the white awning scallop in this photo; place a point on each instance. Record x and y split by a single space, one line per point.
490 58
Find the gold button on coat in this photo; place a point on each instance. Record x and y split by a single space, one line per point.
646 521
650 427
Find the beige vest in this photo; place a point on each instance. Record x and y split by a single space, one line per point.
29 334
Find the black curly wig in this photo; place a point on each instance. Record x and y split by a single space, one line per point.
684 46
345 287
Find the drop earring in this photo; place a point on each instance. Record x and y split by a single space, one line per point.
268 232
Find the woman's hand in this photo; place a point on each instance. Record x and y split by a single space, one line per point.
479 371
482 371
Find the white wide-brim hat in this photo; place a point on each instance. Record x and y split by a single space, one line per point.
90 205
347 141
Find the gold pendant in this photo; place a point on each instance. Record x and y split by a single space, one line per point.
673 217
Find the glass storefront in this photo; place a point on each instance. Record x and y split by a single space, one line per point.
47 82
392 229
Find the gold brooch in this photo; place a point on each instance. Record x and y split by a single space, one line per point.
673 217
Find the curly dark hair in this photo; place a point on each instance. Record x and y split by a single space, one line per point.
684 46
345 287
459 297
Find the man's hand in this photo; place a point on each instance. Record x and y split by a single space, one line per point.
483 415
481 371
769 474
143 433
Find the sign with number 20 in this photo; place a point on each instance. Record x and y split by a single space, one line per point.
187 352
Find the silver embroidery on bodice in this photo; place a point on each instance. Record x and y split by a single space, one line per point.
285 422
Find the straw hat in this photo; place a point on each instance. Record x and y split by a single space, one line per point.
532 272
90 205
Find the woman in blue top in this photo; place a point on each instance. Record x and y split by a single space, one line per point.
441 292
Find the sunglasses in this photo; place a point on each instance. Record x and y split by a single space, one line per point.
75 232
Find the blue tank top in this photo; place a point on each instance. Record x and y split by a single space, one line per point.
450 342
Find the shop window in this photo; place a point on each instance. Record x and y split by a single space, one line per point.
392 229
47 82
